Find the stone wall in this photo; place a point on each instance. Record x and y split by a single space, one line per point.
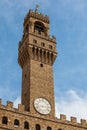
23 116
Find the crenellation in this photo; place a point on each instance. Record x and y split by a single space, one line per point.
62 117
54 39
83 122
9 104
36 15
21 107
73 119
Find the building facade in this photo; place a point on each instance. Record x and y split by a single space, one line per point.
36 55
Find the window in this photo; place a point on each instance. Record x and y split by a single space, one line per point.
41 65
4 120
26 125
49 128
25 75
25 94
38 127
34 41
50 46
16 123
42 44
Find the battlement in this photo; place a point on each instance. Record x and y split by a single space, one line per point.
61 119
10 106
36 15
73 120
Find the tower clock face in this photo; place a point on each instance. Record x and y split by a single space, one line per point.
42 106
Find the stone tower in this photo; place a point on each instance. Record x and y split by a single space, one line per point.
37 53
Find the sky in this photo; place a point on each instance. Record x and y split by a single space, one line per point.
68 22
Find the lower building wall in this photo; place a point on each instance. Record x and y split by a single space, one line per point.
54 124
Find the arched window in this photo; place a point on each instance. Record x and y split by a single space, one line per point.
26 125
16 123
49 128
38 127
4 120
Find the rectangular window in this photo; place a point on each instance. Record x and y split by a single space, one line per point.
42 44
50 46
34 41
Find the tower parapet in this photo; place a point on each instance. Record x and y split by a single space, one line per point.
36 15
36 42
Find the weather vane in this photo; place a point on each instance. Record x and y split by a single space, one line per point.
37 6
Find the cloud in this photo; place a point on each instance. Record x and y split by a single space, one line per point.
74 105
17 101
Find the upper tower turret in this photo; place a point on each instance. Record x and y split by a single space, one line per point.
37 23
36 36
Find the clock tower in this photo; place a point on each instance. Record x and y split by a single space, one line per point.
37 53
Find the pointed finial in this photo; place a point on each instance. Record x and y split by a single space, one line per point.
37 6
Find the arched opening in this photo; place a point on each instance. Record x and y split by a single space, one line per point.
16 123
38 127
39 27
26 125
49 128
4 120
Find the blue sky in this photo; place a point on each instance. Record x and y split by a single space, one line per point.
69 25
